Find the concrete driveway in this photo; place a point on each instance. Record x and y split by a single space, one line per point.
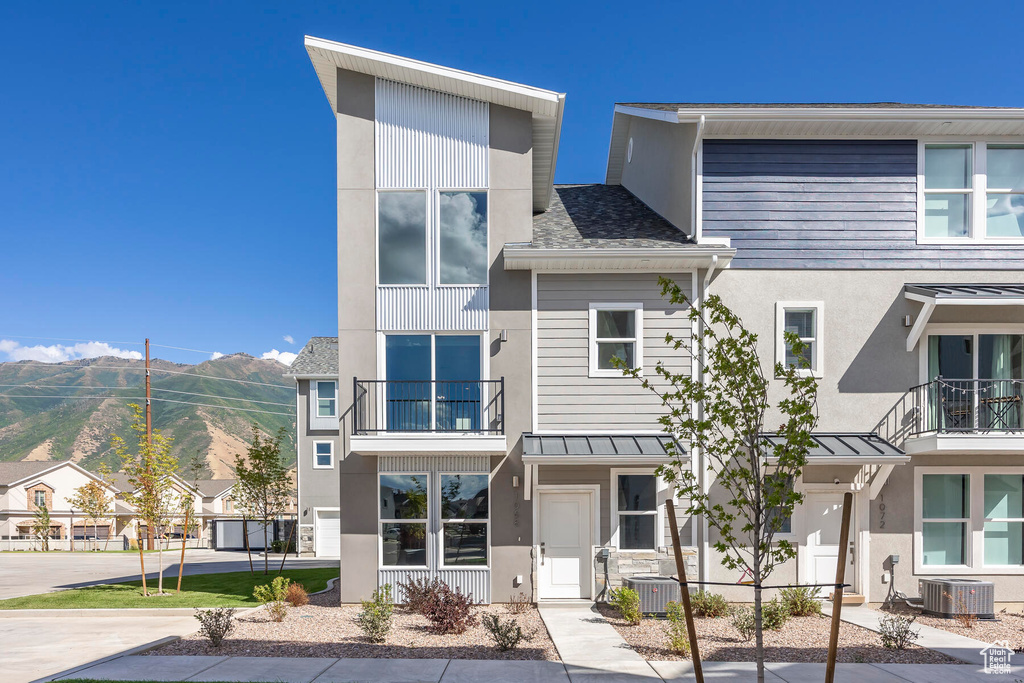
31 573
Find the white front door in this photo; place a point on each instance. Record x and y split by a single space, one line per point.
564 563
823 516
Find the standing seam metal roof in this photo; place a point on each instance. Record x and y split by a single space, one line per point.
843 445
598 444
968 291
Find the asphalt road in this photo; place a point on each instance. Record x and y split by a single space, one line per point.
23 573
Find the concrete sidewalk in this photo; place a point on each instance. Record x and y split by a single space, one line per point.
956 646
325 670
590 647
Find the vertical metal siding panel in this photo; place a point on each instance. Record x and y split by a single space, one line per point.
433 463
462 308
476 582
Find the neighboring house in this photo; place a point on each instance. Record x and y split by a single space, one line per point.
131 527
315 371
25 486
479 432
890 237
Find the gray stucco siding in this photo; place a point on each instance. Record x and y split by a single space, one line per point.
826 204
567 397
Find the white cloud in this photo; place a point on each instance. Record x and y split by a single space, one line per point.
216 355
285 357
56 353
289 338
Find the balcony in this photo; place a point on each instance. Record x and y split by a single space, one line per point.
429 416
960 416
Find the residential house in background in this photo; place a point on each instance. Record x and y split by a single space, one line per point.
890 238
315 371
26 486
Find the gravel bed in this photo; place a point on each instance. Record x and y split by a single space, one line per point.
325 629
802 639
1007 626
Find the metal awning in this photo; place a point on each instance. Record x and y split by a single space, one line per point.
957 294
847 449
564 449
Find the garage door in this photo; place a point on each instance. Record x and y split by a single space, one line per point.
328 533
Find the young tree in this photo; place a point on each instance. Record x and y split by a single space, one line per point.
261 492
150 472
41 526
91 498
724 417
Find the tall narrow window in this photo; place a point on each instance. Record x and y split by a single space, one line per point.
463 238
40 499
945 519
402 238
1004 519
404 508
948 184
464 515
637 511
805 320
1004 202
326 399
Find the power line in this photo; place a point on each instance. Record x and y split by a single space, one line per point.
178 372
166 400
94 341
172 391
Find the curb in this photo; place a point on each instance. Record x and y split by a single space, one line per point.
97 612
330 586
139 649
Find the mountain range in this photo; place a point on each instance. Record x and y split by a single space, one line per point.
73 408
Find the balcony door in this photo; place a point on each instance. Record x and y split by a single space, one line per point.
976 381
433 382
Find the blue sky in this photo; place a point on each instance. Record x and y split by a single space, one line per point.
169 171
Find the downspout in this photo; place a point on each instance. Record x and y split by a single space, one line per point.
705 545
693 178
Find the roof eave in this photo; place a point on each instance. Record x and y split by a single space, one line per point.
610 258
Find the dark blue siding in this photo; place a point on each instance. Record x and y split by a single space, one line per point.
826 204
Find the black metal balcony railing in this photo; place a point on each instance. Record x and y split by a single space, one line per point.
957 406
432 406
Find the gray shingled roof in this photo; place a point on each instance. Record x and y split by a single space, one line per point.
589 216
213 487
673 106
15 471
318 357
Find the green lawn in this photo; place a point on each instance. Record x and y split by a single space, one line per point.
232 589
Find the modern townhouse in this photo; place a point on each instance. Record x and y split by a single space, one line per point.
483 435
890 238
479 432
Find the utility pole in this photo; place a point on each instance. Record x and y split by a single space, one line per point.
149 438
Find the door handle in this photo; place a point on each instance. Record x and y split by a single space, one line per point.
542 553
852 551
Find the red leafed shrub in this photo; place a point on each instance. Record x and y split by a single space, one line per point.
449 611
419 593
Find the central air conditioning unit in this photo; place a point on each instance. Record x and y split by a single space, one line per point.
655 592
950 597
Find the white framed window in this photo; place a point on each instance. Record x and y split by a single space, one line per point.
970 191
40 498
465 519
402 237
806 320
326 399
616 331
403 511
462 257
969 520
323 455
636 510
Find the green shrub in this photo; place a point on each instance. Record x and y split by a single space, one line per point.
375 619
675 630
507 634
706 604
774 615
274 596
627 601
216 623
896 632
742 619
449 611
801 602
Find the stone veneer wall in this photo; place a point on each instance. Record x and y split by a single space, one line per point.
620 565
306 538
